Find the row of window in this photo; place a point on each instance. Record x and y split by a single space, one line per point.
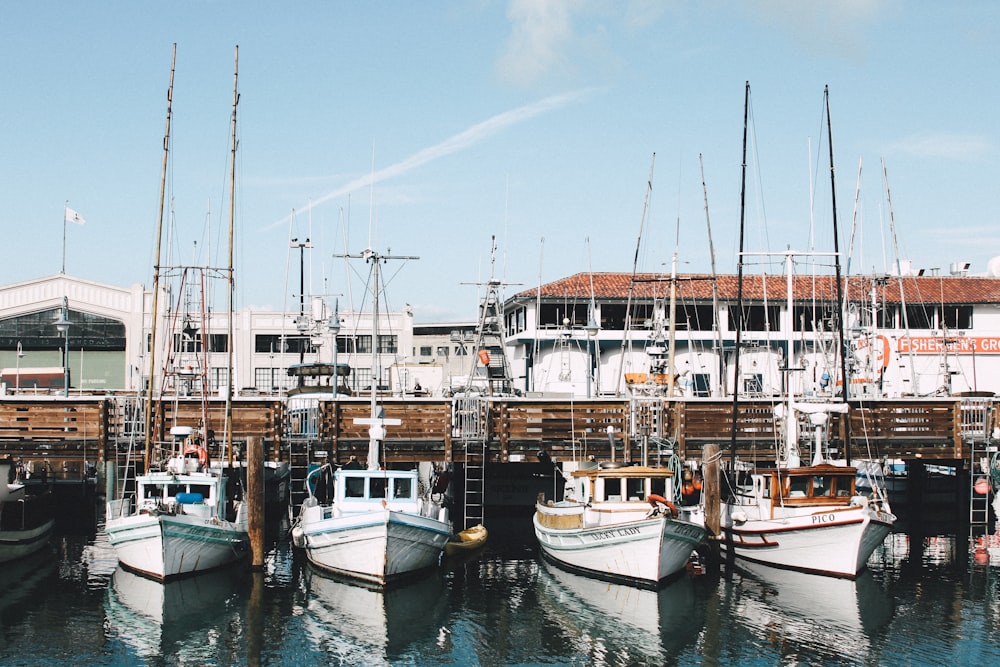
758 318
362 344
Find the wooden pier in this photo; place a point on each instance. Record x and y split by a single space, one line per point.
66 435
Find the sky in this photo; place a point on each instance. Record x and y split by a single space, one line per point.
586 135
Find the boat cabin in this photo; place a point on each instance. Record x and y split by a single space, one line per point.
624 483
813 485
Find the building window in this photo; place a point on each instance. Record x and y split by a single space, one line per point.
388 344
363 344
425 350
442 351
461 351
755 318
822 318
955 317
919 316
218 378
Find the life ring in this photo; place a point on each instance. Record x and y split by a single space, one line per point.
655 499
200 451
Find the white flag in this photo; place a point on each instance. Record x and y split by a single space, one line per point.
73 216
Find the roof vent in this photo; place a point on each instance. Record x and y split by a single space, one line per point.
960 268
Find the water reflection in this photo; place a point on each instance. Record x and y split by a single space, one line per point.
357 623
648 626
177 618
812 616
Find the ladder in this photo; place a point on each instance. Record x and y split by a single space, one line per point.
471 422
976 431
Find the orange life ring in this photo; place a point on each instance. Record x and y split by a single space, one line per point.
655 498
200 451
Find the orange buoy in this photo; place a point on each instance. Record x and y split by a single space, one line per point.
982 487
484 357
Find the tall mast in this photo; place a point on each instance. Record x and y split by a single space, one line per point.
841 351
156 266
232 282
715 279
739 282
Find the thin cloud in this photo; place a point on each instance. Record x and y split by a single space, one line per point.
453 144
944 146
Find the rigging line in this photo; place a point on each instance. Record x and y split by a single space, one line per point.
899 276
626 338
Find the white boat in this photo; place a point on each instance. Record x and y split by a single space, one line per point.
808 518
382 525
617 522
26 519
182 515
182 519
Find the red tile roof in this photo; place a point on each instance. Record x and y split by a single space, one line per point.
697 287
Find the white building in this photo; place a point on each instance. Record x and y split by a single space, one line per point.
607 333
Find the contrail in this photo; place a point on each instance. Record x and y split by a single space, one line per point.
452 144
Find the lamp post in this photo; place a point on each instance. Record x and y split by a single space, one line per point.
333 325
301 323
17 377
62 325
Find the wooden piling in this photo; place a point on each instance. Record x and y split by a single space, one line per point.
255 500
713 506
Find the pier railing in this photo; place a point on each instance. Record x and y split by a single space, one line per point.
66 432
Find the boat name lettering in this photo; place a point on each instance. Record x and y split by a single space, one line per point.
617 532
823 518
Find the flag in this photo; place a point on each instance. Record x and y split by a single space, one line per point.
73 216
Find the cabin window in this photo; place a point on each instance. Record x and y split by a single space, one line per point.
798 487
377 487
658 486
635 489
150 492
402 488
354 487
824 486
203 489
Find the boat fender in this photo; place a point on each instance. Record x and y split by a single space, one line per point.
655 499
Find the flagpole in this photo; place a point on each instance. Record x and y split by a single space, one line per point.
64 238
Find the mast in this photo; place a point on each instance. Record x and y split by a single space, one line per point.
631 284
845 380
376 420
232 282
715 279
156 267
739 289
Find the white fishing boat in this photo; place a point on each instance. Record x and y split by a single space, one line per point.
618 522
26 519
781 513
381 525
181 514
183 519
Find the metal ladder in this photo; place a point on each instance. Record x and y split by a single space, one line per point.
471 422
976 431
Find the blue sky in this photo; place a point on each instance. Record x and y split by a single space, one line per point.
534 121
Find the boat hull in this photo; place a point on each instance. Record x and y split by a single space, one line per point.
15 544
168 546
836 542
644 551
379 546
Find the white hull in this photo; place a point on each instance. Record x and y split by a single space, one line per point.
830 541
166 546
638 550
379 546
16 544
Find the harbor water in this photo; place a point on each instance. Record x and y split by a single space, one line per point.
923 601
